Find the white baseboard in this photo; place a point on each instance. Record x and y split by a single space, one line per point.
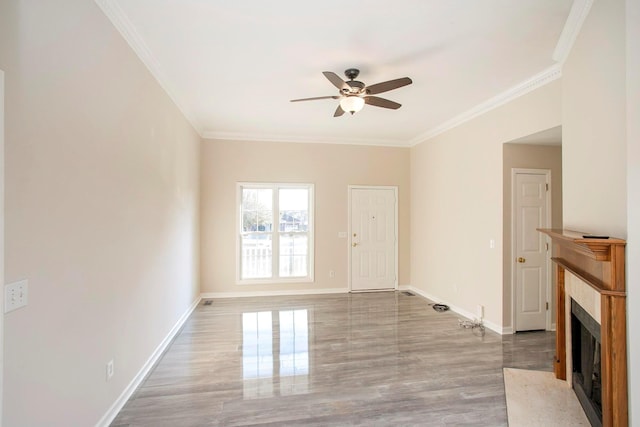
113 411
490 325
553 327
312 291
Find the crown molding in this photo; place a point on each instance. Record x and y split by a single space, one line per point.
238 136
571 29
579 11
547 76
577 15
541 79
128 31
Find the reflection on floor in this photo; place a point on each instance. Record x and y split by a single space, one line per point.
258 353
373 359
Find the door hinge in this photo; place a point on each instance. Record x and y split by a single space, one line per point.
546 245
547 305
547 186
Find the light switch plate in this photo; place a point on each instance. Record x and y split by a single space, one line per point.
15 295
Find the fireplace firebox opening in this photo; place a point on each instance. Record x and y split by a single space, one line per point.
587 376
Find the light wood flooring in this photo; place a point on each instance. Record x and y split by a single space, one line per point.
372 359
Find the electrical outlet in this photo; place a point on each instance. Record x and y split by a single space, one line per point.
332 274
109 369
15 295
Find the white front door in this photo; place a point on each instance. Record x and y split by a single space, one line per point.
373 238
531 212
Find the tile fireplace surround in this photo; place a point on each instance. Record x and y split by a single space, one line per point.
591 272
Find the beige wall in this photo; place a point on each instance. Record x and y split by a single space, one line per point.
456 203
330 167
527 157
101 212
594 124
600 160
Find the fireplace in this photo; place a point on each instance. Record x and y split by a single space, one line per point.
587 374
591 336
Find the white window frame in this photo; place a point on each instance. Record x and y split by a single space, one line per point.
275 244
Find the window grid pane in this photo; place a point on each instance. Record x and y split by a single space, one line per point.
257 209
294 255
257 256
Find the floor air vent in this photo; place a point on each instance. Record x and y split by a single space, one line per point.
208 302
409 294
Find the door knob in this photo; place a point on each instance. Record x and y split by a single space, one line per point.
521 260
354 244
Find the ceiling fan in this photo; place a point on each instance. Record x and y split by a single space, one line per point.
354 94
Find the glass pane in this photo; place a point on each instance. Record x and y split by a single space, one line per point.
294 209
294 221
294 199
256 256
265 199
264 220
249 199
257 209
249 221
294 253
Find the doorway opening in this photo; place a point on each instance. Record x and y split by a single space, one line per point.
542 150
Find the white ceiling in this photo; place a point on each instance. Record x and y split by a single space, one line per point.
232 67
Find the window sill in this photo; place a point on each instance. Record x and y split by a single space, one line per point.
280 281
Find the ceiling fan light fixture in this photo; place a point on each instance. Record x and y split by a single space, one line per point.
352 104
353 94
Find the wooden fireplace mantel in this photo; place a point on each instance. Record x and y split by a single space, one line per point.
600 264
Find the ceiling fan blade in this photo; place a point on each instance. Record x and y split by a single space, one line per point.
381 102
339 111
388 85
336 80
313 99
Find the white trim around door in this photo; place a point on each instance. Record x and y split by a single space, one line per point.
352 241
547 174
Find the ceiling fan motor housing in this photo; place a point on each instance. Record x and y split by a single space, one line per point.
355 87
351 73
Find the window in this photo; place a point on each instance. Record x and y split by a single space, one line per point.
275 233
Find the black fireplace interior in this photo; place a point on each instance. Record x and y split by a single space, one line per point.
585 339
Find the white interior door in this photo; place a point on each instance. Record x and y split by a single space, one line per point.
373 238
531 212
